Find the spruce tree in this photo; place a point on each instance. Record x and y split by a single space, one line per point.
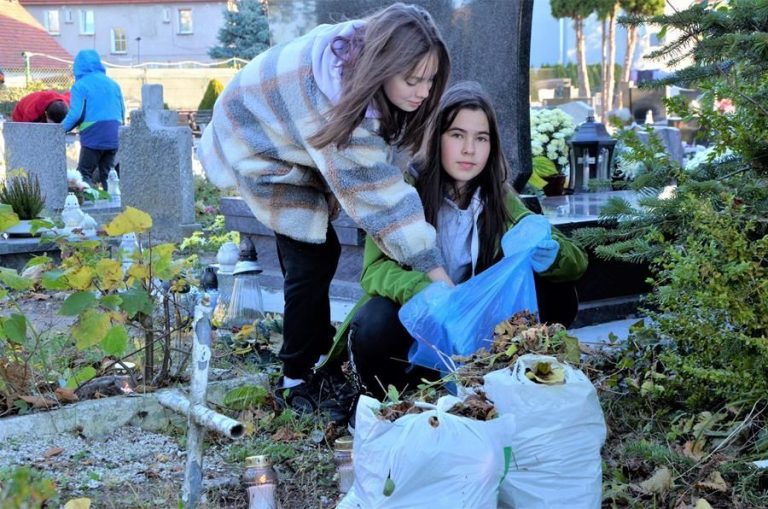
245 33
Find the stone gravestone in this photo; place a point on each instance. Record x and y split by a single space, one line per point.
489 42
670 137
156 168
577 110
38 149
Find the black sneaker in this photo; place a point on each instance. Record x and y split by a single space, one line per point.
325 392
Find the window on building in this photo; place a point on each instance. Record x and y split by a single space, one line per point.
185 21
232 5
52 22
119 41
166 15
87 22
67 15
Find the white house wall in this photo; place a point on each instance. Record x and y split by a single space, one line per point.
160 40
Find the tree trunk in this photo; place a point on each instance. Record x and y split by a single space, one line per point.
609 85
604 68
581 59
628 58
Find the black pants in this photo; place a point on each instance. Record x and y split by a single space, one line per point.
94 165
307 270
379 344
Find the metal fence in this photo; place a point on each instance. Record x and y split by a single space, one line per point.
44 72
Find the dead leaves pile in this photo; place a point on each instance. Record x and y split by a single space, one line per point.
521 334
476 406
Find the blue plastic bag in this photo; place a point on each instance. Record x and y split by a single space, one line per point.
460 320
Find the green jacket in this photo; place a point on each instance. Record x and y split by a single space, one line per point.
384 277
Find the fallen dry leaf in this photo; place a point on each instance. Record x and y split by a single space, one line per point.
38 401
286 434
65 395
694 449
702 504
38 296
53 451
78 503
714 482
659 482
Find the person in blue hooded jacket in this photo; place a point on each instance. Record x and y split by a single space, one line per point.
96 107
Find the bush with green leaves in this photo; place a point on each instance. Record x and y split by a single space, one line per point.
22 192
26 488
108 296
711 299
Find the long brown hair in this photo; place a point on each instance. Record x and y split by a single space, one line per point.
433 181
393 41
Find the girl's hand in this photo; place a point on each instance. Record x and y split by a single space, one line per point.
439 274
544 255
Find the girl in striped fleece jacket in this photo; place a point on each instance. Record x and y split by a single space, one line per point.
308 126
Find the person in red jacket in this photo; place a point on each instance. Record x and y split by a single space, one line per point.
42 106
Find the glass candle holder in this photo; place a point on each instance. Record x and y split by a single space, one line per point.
246 304
342 456
260 479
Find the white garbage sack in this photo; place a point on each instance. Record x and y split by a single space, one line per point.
429 460
556 460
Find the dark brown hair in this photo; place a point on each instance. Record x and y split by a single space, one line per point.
56 111
433 181
393 41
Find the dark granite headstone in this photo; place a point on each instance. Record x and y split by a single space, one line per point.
489 42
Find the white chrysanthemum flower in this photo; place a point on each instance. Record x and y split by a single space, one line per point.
668 192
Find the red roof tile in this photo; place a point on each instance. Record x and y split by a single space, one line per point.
20 32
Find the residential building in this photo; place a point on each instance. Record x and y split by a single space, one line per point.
129 32
20 33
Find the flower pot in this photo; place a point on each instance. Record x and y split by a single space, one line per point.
555 185
24 229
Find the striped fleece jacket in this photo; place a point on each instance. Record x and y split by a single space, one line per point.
257 143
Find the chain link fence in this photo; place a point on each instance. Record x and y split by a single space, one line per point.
44 72
40 72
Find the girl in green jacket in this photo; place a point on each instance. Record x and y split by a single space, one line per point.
461 179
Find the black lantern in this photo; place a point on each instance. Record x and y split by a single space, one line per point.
591 155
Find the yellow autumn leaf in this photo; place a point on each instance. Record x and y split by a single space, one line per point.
130 220
163 265
110 273
138 271
81 278
714 482
702 504
78 503
545 373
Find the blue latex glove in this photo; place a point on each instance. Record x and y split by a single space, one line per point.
544 255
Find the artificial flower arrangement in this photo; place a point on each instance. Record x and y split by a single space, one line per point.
550 131
81 188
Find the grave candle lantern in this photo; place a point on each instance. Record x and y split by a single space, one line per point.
260 480
591 155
